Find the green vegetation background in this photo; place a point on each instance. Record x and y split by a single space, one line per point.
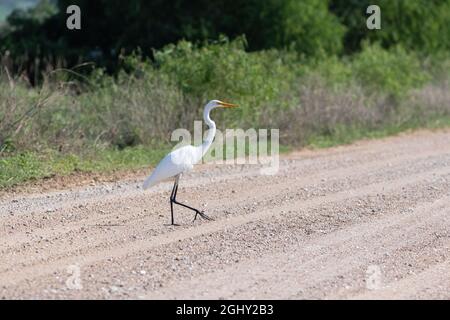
107 97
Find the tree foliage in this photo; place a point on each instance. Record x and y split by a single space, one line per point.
313 28
422 25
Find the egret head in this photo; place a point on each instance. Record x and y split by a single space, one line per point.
215 104
218 104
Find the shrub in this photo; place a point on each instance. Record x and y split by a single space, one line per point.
335 73
226 71
309 28
415 24
392 71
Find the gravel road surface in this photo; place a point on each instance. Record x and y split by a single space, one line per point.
365 221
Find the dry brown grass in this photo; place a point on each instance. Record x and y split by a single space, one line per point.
322 111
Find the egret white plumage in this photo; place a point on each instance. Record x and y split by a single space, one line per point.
183 159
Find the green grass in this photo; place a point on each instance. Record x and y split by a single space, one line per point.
19 168
27 166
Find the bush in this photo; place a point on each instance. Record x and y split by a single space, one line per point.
414 24
226 71
393 72
379 71
334 72
309 28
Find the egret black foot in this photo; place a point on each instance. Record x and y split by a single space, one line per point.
172 225
202 215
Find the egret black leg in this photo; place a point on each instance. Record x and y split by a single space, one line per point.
174 200
197 212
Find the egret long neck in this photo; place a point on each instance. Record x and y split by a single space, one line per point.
211 132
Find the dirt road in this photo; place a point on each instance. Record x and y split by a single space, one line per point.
370 220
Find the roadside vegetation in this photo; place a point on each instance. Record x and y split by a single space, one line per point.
66 117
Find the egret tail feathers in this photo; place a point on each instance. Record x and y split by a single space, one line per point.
149 182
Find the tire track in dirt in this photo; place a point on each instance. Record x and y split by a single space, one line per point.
283 275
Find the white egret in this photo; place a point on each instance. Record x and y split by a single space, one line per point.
183 159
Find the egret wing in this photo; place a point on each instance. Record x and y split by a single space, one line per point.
176 162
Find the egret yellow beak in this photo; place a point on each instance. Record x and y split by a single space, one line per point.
227 105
